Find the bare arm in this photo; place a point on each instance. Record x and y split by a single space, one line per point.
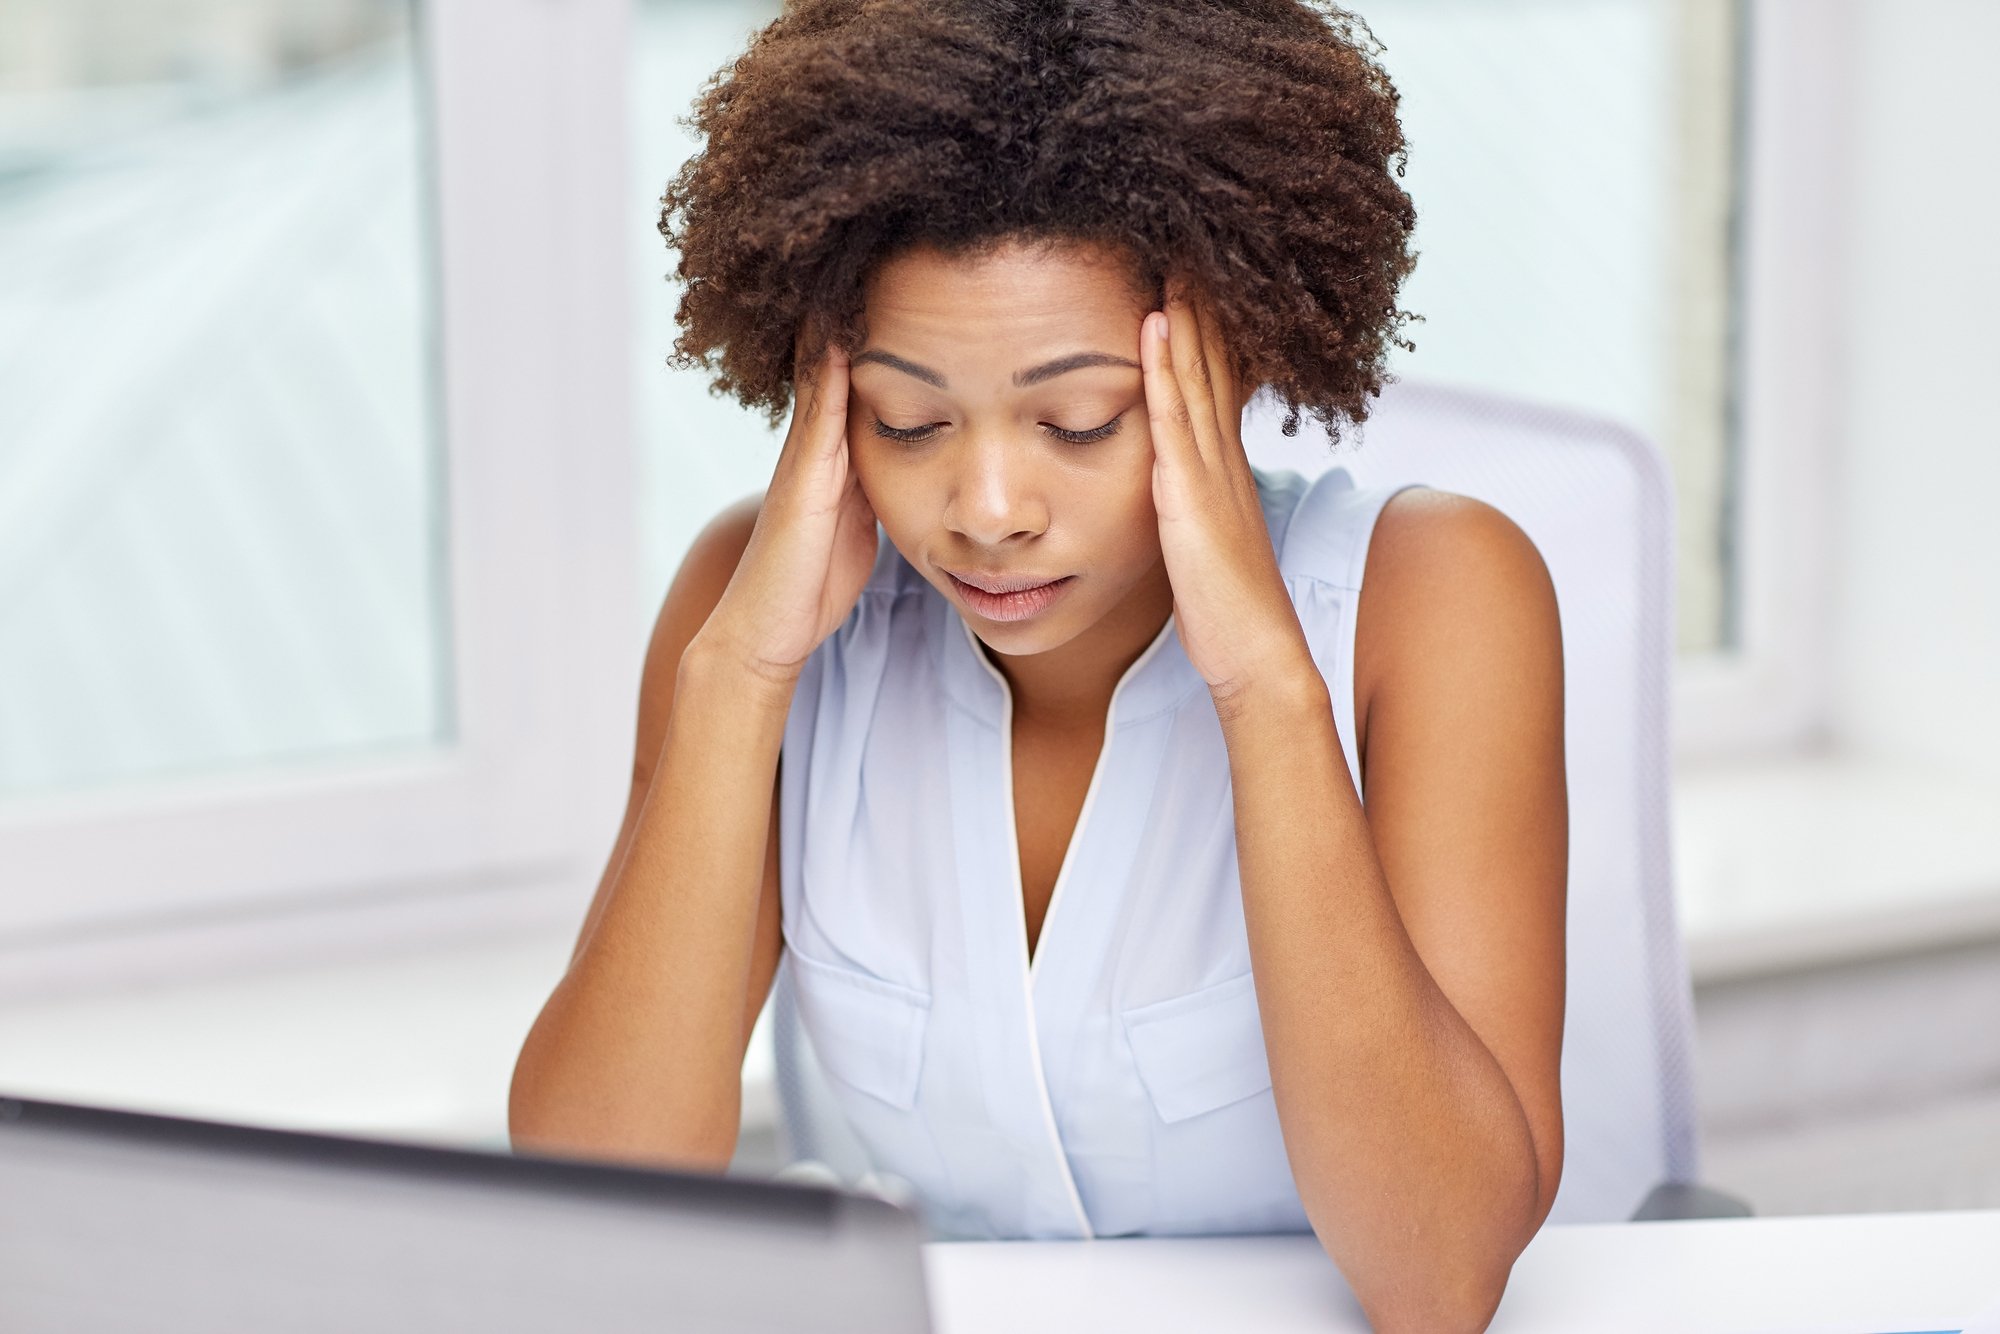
1409 956
638 1053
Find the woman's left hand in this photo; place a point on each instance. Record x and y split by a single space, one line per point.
1235 619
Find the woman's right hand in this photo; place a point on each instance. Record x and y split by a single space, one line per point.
814 543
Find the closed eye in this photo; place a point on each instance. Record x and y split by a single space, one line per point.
1109 428
915 434
905 433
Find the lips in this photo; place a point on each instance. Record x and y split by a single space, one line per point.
1002 583
1019 605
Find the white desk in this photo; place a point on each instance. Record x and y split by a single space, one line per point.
1855 1274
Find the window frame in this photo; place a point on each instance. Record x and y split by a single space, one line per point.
1769 693
509 818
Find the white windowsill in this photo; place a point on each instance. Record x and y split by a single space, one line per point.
1823 859
418 1046
1780 865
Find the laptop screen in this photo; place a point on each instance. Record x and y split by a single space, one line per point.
117 1220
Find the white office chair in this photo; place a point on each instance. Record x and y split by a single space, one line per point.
1598 503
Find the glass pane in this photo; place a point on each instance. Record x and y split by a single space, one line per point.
697 453
221 523
1573 164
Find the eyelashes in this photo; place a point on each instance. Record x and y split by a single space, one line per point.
917 434
906 434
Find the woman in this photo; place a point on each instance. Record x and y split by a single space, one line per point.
1086 917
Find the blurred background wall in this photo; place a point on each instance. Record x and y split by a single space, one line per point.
341 476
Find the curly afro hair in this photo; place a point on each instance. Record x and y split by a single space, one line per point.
1251 145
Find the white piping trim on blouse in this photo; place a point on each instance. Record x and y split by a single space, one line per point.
1055 895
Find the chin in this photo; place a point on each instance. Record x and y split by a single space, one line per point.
1021 639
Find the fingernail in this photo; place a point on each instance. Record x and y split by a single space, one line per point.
1166 329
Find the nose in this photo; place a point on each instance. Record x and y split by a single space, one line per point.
994 495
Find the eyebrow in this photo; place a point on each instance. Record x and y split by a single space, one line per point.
1034 375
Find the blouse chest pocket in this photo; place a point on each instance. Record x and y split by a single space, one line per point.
866 1031
1202 1050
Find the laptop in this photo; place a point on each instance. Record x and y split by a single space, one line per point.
115 1220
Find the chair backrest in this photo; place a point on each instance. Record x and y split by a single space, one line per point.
1597 501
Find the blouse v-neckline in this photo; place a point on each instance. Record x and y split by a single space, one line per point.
1148 686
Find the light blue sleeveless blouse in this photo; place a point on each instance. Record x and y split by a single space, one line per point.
1118 1085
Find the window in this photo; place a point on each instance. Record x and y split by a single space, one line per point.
223 484
1573 167
697 452
314 556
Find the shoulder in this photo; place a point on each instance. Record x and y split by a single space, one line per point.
720 544
1425 536
705 571
1320 526
1458 603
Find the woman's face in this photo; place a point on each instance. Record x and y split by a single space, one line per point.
977 364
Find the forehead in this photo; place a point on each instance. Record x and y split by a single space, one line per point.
1019 294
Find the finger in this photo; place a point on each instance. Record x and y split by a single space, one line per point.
1190 362
831 387
1166 409
828 423
1228 410
1235 459
811 379
818 432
